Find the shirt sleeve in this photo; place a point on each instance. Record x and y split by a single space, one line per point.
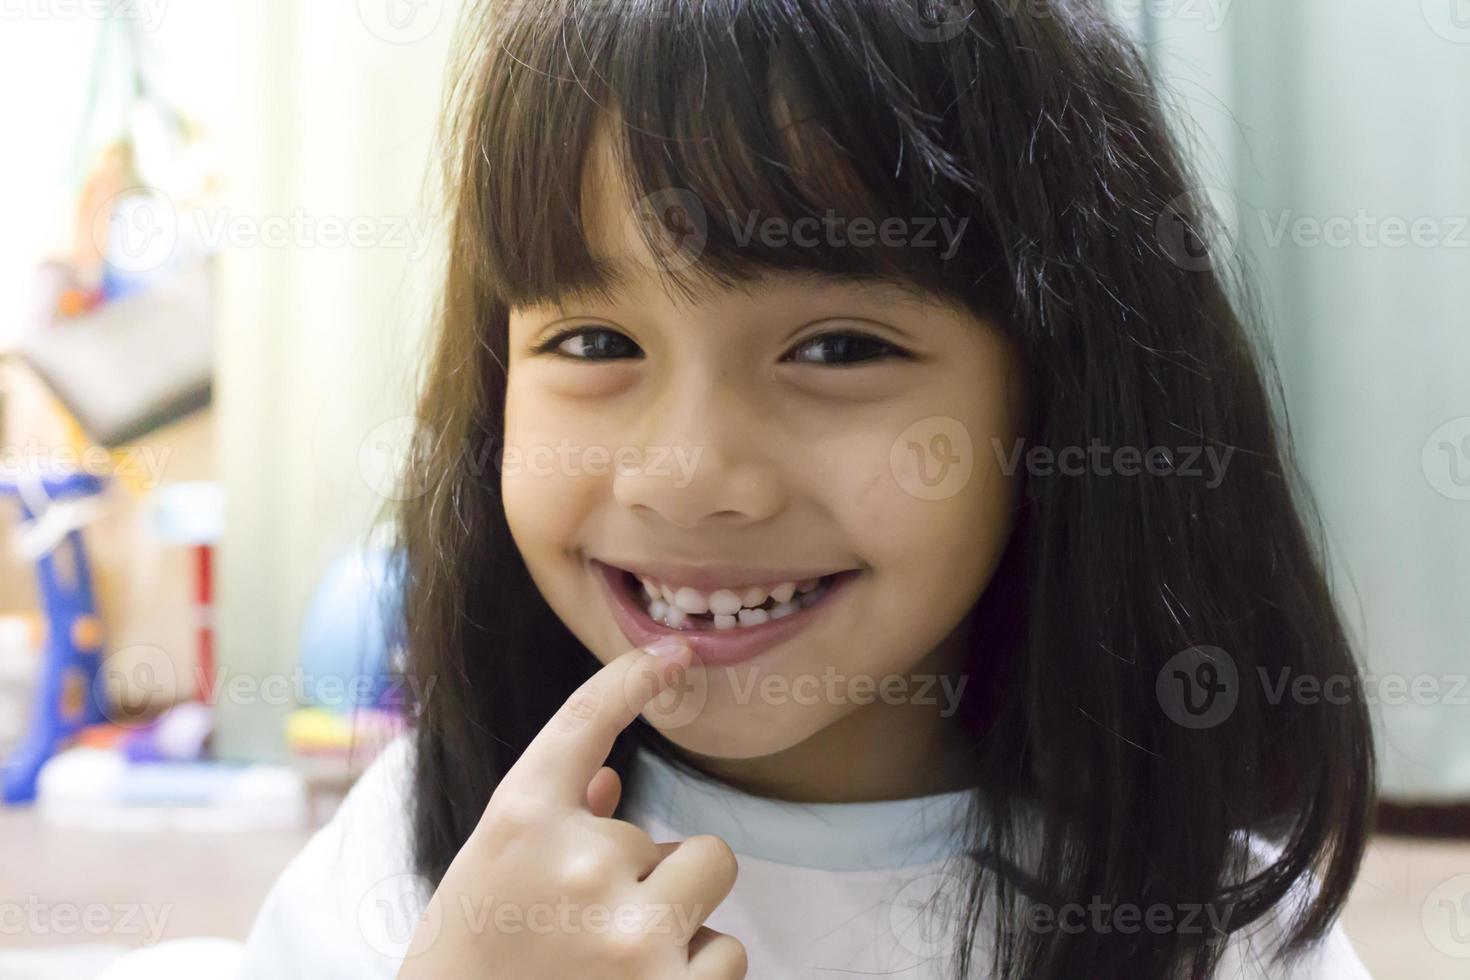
346 907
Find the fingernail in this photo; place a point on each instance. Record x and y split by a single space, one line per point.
668 646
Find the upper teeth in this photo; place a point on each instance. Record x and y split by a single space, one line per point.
723 602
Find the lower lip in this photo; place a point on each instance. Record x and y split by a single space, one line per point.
712 647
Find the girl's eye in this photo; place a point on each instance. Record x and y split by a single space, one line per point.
844 348
589 344
602 344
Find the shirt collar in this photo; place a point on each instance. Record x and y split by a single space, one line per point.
834 836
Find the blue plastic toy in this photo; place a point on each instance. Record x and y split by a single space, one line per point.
351 636
67 698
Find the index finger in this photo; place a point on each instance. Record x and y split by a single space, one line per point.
573 745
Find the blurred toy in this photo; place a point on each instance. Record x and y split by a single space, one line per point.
193 514
351 638
133 364
68 695
351 657
177 735
20 667
61 294
319 732
100 789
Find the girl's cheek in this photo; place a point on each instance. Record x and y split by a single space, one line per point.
918 495
543 482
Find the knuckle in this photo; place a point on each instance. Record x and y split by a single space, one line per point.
627 948
639 838
579 710
513 818
715 851
586 871
739 958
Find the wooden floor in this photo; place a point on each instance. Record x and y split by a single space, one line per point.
1409 916
147 888
121 888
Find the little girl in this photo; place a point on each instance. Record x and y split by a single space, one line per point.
855 537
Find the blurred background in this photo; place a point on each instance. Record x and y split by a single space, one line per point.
215 275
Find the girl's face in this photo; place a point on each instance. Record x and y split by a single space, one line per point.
769 434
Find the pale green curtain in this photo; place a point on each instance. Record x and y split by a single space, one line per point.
1335 136
321 329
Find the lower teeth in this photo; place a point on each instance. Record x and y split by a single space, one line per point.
676 618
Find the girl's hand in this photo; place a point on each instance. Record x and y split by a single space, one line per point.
549 885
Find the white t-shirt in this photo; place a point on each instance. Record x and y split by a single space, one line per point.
824 890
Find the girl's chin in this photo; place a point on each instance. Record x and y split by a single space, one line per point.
731 731
728 749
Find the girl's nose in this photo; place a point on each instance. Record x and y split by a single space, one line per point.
705 462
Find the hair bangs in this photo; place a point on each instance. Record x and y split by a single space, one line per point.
721 148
